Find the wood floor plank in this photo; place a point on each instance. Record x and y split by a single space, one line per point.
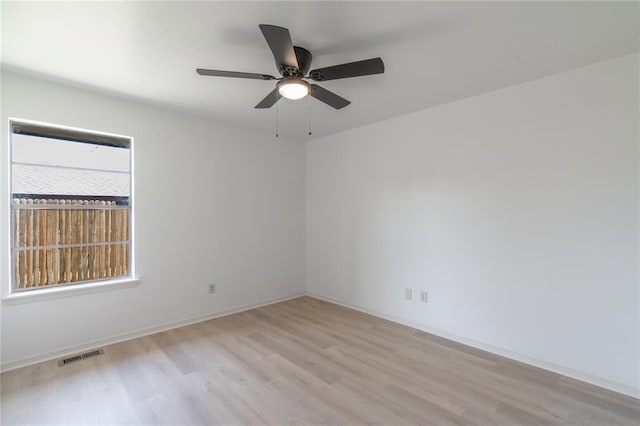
302 361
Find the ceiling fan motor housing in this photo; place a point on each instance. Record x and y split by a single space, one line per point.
304 63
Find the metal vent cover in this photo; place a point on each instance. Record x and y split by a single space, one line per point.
80 357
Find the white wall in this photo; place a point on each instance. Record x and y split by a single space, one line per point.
213 203
517 210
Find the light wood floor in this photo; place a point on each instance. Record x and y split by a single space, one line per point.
302 361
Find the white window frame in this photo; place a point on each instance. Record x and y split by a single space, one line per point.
76 288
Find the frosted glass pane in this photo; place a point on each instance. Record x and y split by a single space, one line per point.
34 149
56 181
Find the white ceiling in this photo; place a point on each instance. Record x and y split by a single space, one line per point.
434 52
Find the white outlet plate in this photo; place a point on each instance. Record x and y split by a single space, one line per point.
408 294
212 288
424 296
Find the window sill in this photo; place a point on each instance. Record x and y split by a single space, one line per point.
68 291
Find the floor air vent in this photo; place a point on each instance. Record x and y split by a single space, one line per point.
80 357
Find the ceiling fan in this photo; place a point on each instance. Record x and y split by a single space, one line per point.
293 63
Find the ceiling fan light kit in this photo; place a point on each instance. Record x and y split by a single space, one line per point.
293 63
293 88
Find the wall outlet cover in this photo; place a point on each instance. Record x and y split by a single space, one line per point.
408 294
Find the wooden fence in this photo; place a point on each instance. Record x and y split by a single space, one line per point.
67 241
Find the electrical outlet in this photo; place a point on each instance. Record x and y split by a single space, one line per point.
424 296
212 288
408 294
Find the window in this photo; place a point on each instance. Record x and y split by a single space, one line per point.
70 206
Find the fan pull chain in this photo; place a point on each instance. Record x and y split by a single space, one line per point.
309 104
277 114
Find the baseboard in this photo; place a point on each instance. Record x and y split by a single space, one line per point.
47 356
564 371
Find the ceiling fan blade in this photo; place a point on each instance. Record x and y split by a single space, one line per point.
279 41
269 100
328 97
236 74
352 69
